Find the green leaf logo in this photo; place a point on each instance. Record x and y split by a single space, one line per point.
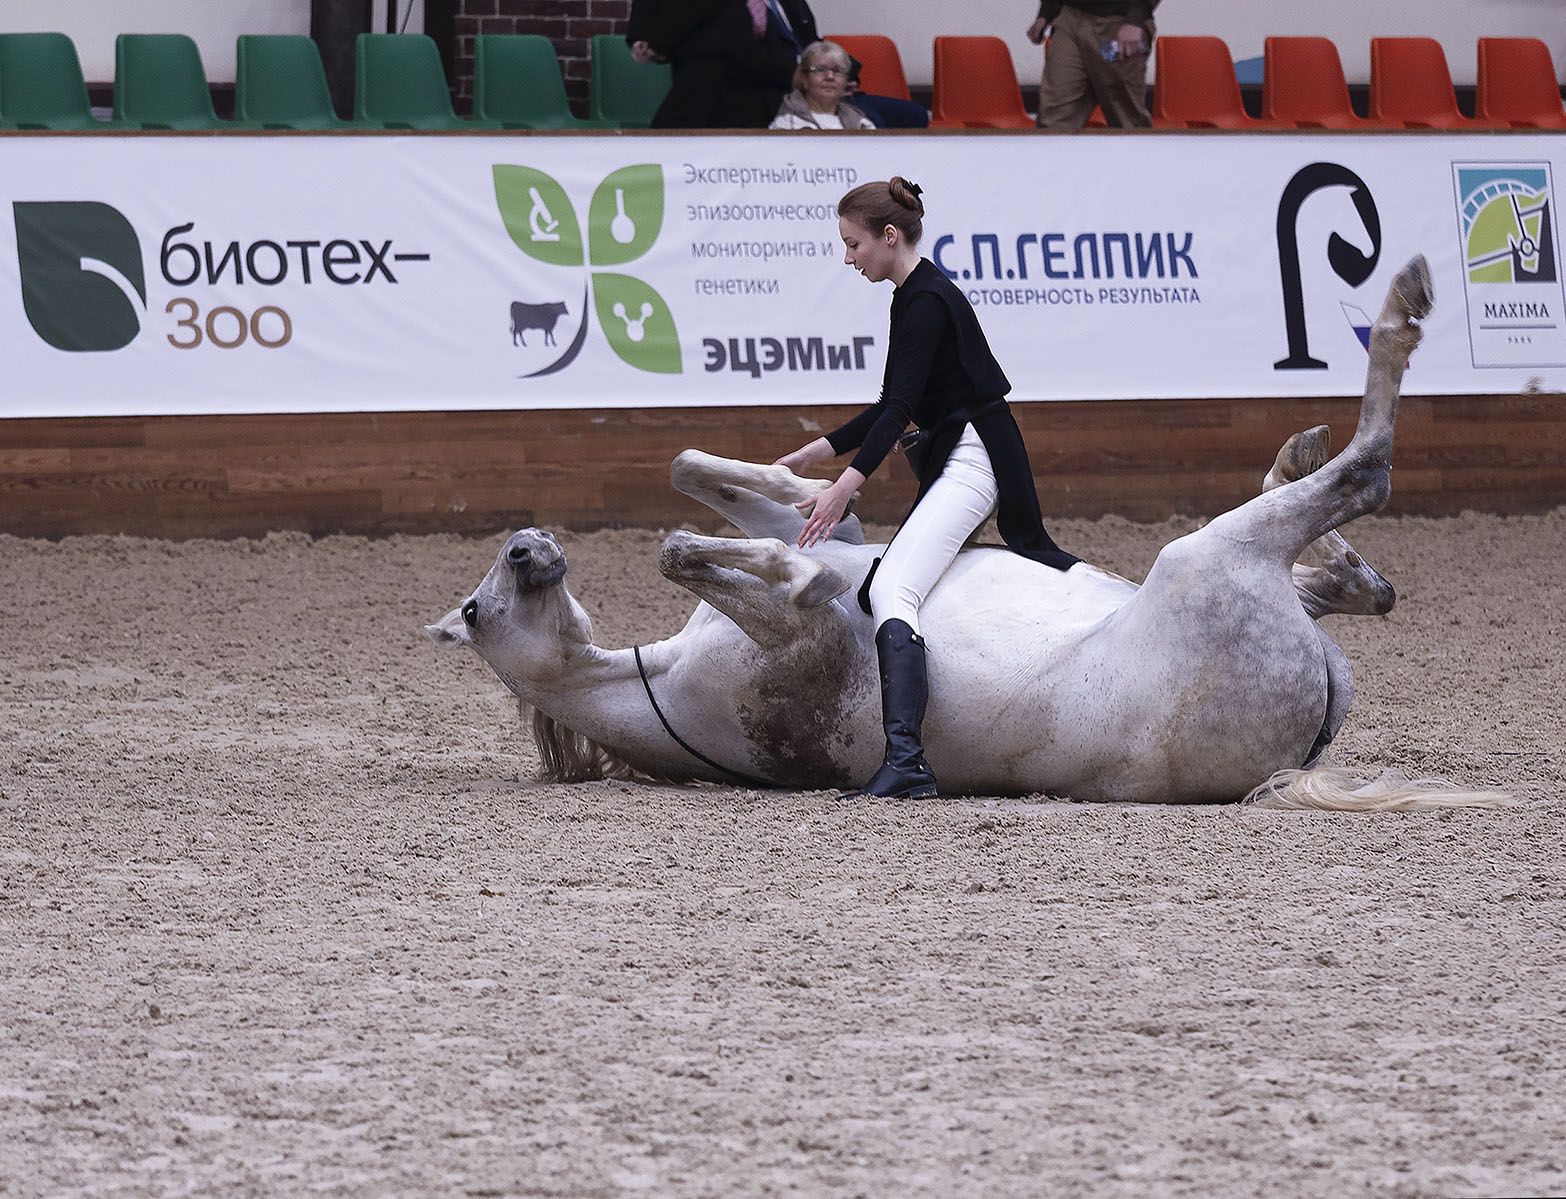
80 263
626 215
624 219
637 322
538 215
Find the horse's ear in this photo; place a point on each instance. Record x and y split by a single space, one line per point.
450 632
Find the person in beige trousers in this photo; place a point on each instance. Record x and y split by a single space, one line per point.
1097 56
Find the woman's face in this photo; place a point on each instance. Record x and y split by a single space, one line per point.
826 83
871 254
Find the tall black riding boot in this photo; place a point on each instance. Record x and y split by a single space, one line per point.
904 688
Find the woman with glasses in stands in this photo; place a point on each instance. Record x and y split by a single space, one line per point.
820 83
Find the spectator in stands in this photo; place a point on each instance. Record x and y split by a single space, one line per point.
820 83
733 60
1097 56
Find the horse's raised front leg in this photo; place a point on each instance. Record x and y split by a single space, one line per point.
759 500
1338 580
1341 583
768 588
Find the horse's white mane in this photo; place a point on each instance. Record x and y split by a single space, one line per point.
567 756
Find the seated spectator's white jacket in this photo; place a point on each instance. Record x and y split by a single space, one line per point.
794 113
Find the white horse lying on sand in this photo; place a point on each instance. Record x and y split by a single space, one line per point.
1197 686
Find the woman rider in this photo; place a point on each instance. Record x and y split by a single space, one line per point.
971 461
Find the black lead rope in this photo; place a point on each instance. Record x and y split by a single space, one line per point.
679 740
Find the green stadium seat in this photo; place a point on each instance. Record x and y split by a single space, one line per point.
623 92
41 84
280 83
159 83
517 84
399 83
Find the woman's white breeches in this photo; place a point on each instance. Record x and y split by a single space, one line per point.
957 503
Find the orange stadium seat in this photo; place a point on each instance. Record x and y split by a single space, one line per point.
976 86
1303 85
1411 87
1517 84
880 65
1194 86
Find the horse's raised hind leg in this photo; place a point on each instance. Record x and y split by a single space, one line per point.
1281 522
759 500
769 589
1338 580
1359 480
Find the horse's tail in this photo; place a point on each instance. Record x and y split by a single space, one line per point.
1338 789
567 756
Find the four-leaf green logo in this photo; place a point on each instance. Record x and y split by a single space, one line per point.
69 253
624 219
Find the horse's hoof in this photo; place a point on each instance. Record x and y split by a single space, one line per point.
824 586
1415 288
1302 454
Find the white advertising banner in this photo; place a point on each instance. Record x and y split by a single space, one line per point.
166 274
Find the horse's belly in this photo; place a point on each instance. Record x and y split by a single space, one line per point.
1109 716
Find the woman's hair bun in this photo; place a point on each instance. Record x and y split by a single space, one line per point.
905 193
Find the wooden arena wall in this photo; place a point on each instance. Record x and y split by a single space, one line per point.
472 472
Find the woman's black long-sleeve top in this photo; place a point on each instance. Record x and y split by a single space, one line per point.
940 375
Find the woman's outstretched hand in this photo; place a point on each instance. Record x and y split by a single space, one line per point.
825 509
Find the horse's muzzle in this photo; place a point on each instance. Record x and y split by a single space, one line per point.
538 560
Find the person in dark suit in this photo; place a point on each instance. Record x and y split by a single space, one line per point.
733 60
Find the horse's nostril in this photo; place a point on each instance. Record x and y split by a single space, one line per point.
470 614
518 554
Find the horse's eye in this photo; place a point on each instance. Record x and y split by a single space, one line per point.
470 614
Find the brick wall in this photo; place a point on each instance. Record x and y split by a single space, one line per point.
570 24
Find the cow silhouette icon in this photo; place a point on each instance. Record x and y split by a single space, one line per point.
542 317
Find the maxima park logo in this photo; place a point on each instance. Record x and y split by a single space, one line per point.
81 272
1516 306
624 219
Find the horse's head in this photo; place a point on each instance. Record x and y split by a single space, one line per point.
520 619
